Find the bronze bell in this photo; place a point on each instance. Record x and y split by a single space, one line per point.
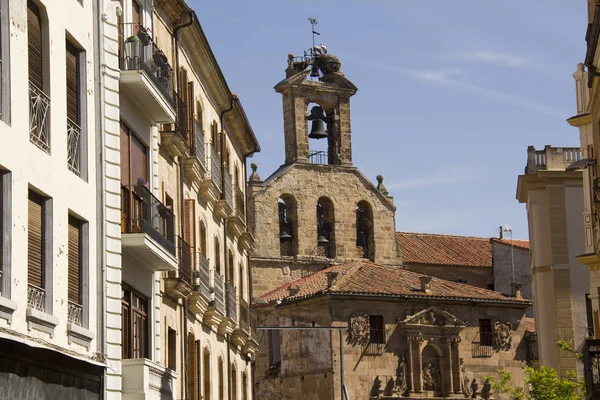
314 71
284 236
317 130
322 240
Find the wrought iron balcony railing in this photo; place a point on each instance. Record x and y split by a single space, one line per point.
231 294
198 146
218 290
215 166
228 192
73 147
203 268
184 252
75 313
253 322
36 297
240 203
39 118
591 368
244 315
138 52
143 212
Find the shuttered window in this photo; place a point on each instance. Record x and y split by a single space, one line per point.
134 331
34 45
4 62
74 260
206 369
233 382
190 108
192 367
35 240
203 239
125 159
136 13
197 372
134 157
72 84
376 329
189 225
221 380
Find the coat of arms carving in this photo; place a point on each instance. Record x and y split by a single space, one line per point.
359 328
502 335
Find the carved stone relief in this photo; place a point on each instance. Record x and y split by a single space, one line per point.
400 386
465 384
358 328
503 335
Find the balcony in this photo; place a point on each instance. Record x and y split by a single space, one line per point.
201 292
145 379
174 136
224 206
251 345
147 229
228 325
39 118
146 76
237 221
179 283
74 147
551 158
242 333
216 310
195 164
211 186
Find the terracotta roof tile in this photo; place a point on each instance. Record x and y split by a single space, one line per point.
524 244
435 249
368 279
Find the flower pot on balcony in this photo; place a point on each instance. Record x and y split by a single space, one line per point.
159 57
144 36
132 52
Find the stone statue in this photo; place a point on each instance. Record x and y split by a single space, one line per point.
474 388
486 390
358 328
428 383
502 335
401 386
375 390
435 377
465 384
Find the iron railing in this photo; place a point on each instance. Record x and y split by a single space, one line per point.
143 212
479 350
36 297
591 368
218 291
75 313
73 147
318 157
215 166
185 260
138 52
203 268
244 315
39 118
228 189
253 322
231 296
181 117
240 203
198 149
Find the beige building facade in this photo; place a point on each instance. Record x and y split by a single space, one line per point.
555 213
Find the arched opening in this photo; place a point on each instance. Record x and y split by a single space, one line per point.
365 243
432 374
217 256
230 268
244 386
206 369
233 382
288 225
220 380
325 228
202 238
192 367
320 127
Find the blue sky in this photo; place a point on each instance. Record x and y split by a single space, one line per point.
450 93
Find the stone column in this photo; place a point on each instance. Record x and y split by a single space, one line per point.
418 377
449 366
455 341
411 364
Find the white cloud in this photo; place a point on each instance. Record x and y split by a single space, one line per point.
447 175
440 75
491 57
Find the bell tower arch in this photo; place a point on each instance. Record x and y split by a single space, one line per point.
321 100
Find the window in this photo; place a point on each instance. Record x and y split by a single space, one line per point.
274 347
39 253
221 382
202 238
5 231
214 136
39 107
233 382
242 278
75 109
217 256
172 349
189 225
376 329
134 332
136 12
4 62
365 243
190 111
325 234
589 315
134 158
206 369
230 268
485 332
197 372
244 386
192 367
76 273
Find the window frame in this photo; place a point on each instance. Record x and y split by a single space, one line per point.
47 248
81 91
486 332
6 231
128 305
84 269
377 333
5 110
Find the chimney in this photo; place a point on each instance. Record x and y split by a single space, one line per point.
425 284
501 233
515 290
331 277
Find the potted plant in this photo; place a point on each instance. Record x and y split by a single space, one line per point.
143 35
132 51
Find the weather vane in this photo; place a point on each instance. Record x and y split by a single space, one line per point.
313 22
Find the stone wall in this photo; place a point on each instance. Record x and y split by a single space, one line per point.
502 264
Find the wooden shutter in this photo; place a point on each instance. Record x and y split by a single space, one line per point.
34 45
74 260
136 13
125 156
72 84
191 367
139 160
190 108
190 226
35 240
207 369
203 239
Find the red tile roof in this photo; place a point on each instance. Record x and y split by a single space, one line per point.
435 249
523 244
372 280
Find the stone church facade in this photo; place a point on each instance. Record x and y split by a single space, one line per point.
327 268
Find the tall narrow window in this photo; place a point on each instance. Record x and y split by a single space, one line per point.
36 252
190 226
198 371
190 110
589 315
230 268
39 107
74 122
233 382
136 13
75 271
199 116
5 231
376 329
365 245
244 386
325 228
206 369
486 332
288 229
172 349
4 62
191 367
274 347
220 380
134 331
202 238
134 171
242 279
217 256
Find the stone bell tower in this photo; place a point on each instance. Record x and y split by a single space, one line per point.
331 92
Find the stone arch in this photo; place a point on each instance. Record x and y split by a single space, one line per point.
325 235
432 372
365 241
288 225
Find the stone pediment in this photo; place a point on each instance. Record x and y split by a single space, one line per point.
432 316
334 80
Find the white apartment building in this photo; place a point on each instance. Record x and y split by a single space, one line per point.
174 144
50 296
